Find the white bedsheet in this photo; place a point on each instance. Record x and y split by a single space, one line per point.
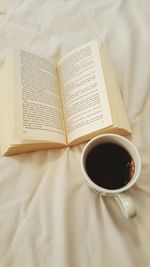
48 215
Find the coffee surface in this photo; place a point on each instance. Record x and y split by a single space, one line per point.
109 166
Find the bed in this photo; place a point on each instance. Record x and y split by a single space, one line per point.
48 214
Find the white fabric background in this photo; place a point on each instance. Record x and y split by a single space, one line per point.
48 215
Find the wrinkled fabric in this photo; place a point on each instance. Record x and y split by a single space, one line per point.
48 215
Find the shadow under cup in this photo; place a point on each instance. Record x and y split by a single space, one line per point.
110 164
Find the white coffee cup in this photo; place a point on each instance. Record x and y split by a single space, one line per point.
123 198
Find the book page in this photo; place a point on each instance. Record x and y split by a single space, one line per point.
119 114
85 100
38 105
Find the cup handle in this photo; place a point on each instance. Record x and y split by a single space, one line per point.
126 204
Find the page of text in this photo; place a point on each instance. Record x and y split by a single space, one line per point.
85 99
38 99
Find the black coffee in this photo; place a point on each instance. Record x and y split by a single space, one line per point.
109 166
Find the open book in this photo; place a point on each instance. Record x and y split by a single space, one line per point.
46 105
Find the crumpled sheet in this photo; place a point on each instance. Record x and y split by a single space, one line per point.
48 215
